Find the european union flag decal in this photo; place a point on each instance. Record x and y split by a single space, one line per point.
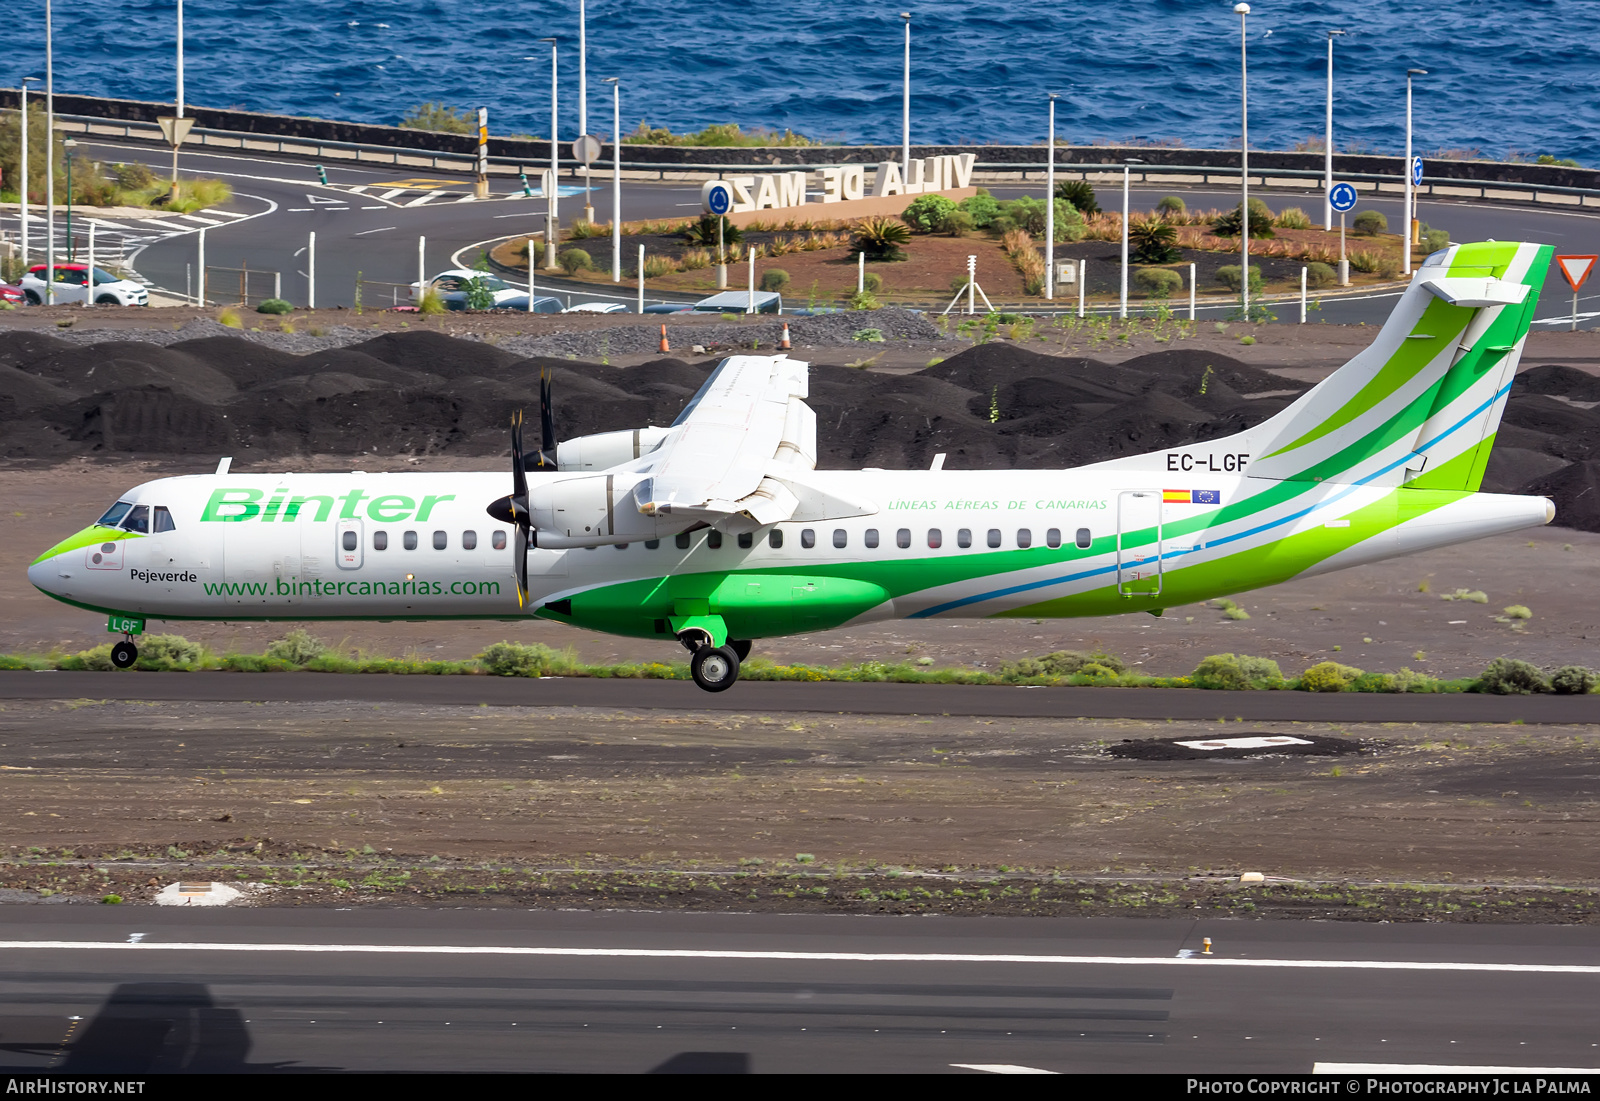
1205 497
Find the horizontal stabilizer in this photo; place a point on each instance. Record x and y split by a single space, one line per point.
1477 294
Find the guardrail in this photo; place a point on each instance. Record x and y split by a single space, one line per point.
984 171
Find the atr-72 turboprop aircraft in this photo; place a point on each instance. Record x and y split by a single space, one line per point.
717 530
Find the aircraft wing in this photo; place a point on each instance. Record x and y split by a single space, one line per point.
734 449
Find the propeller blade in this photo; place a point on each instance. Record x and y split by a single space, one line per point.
519 478
520 554
547 421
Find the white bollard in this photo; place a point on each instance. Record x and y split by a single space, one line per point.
750 301
1303 271
1083 279
1191 292
861 272
422 269
641 279
311 271
200 263
88 281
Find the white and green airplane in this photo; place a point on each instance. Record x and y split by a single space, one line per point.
718 530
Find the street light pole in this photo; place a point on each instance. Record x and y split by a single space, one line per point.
1127 167
1050 208
552 223
1411 198
49 160
69 145
905 108
1327 142
1243 11
23 196
583 101
616 177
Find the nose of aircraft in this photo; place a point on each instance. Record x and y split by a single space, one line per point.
45 574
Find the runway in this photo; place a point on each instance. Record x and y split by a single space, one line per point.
139 991
843 698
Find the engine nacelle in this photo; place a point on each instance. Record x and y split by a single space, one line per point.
606 449
592 511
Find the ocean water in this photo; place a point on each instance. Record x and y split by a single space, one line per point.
1503 76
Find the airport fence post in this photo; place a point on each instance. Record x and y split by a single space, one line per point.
88 281
277 284
311 271
532 267
188 281
750 300
200 263
1191 292
422 267
641 279
1083 276
861 272
1303 271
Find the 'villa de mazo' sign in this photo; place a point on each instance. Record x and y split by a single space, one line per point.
847 183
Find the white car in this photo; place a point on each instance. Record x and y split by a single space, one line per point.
452 287
71 283
596 307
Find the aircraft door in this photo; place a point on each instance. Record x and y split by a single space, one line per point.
1139 567
348 549
261 564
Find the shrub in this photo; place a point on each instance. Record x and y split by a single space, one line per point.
1237 672
929 214
438 117
1328 676
1363 261
1227 225
873 282
982 209
1158 282
229 317
1512 677
869 336
1171 205
881 238
958 223
1029 215
574 260
1064 663
135 176
583 229
865 300
703 231
168 652
274 305
657 266
959 283
97 659
694 259
297 648
1408 680
1081 195
1374 682
1518 611
1436 239
1320 275
1292 217
431 303
1369 223
516 659
1155 241
479 296
774 279
1228 275
1573 680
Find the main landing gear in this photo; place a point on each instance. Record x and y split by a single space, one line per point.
714 668
124 654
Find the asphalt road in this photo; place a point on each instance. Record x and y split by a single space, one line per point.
361 234
130 991
843 698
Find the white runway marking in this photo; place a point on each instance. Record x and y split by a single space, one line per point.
848 957
1001 1068
1266 742
1429 1068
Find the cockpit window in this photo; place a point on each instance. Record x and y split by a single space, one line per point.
114 514
164 520
138 520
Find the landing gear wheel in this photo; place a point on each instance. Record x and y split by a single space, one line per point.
740 646
715 669
124 654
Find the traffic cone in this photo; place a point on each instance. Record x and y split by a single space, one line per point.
784 344
665 347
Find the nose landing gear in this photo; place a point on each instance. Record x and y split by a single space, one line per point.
715 668
124 654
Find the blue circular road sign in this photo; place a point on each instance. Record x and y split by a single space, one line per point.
1416 170
1342 197
718 198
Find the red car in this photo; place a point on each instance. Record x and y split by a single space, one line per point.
11 294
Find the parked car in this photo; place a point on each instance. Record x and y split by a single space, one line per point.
71 285
541 304
596 307
14 295
741 302
670 307
452 287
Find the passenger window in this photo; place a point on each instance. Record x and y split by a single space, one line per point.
164 519
935 538
469 540
115 513
652 544
994 537
746 540
409 540
380 540
1083 539
775 538
682 541
498 541
1052 538
808 538
1024 537
872 539
841 538
138 519
964 538
440 540
714 539
620 546
348 541
902 538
